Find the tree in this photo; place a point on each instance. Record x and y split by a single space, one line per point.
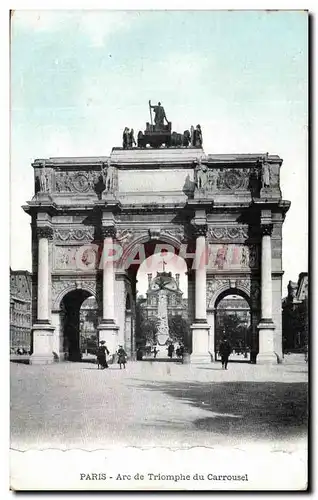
178 328
146 328
235 327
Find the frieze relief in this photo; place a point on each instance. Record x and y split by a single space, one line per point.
212 287
75 258
233 179
211 179
67 285
87 181
177 233
233 257
80 234
243 283
215 286
124 237
228 233
80 182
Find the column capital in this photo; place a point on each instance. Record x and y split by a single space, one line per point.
266 229
200 230
108 231
45 232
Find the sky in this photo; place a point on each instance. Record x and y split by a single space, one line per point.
79 77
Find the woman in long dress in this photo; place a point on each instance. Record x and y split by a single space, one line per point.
122 356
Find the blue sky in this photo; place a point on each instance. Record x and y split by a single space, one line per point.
79 77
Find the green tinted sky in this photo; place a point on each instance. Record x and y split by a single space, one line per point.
78 78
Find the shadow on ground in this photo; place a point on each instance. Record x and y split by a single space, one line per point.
258 410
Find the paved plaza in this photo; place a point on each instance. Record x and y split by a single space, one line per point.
158 403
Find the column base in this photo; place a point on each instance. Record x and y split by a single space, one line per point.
38 359
200 359
42 332
108 331
267 358
200 343
266 354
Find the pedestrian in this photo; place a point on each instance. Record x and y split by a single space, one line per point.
170 350
155 352
122 356
181 350
306 352
139 354
225 350
101 355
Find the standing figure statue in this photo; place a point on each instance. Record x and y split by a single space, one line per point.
107 175
126 138
201 177
140 139
192 135
266 181
160 115
197 137
44 181
186 138
212 179
131 139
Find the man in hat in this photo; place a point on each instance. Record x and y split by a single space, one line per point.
122 356
101 355
225 350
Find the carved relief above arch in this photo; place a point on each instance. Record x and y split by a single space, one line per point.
131 241
216 287
63 287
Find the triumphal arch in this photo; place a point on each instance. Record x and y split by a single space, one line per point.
94 219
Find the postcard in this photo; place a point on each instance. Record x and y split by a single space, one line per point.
158 284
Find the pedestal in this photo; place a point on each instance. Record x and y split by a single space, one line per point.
266 354
200 343
108 331
42 344
162 351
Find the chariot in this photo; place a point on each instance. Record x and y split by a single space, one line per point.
155 136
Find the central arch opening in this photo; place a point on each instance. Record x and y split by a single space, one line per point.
233 321
162 324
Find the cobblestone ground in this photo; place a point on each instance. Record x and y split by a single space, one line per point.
158 403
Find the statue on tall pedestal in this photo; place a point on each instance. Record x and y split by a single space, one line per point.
163 328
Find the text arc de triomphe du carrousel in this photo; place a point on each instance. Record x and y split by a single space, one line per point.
164 190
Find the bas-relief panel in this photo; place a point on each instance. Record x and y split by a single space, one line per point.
80 182
250 287
233 257
65 285
223 233
74 234
223 179
75 258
